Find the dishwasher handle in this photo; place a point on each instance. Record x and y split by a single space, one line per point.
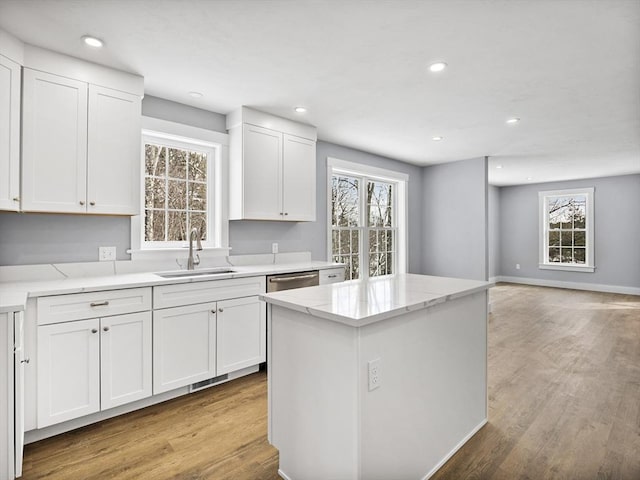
291 279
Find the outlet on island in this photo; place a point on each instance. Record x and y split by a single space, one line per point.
106 254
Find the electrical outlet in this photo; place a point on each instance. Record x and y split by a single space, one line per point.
374 374
517 266
274 248
106 254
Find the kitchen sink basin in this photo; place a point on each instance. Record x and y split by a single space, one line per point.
195 273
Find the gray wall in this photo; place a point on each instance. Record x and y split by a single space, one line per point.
32 238
53 238
617 231
256 237
455 219
494 230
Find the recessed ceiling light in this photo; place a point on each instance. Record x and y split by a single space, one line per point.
437 67
498 166
300 109
529 178
513 120
92 41
436 139
195 94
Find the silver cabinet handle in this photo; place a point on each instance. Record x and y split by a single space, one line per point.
286 213
291 279
106 329
99 304
94 330
26 360
213 311
16 199
92 203
332 276
81 202
220 310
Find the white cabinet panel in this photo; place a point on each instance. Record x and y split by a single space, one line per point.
113 152
262 173
184 340
68 371
54 143
125 359
9 134
331 275
241 339
299 179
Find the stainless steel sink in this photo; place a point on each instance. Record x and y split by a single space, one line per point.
195 273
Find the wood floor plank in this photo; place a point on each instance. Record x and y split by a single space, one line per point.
564 403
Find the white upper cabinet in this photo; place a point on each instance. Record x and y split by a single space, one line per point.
80 139
113 184
9 134
272 167
54 143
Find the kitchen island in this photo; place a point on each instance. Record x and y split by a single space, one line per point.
376 379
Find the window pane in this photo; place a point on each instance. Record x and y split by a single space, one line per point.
154 193
355 267
345 242
579 255
579 239
373 241
344 201
554 222
177 226
335 237
197 166
154 221
198 220
566 238
177 194
355 243
379 204
154 160
389 263
390 246
197 196
177 163
554 255
554 238
567 256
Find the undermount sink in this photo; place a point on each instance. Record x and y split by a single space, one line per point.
195 273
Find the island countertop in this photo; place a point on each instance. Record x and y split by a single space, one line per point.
361 302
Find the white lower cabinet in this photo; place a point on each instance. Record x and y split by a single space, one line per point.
242 334
184 340
90 365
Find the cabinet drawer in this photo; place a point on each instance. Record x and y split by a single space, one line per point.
332 275
78 306
200 292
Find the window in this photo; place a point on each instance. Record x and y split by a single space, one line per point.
182 188
567 230
366 219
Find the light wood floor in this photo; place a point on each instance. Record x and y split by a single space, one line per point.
564 403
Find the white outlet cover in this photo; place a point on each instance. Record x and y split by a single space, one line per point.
374 374
106 254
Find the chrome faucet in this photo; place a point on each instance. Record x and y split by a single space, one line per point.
192 262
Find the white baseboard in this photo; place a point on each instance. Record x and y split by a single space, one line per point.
454 450
283 475
594 287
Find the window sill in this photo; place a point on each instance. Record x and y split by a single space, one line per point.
567 268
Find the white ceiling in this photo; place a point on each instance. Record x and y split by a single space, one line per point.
570 69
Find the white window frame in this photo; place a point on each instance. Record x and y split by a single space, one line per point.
543 201
400 181
216 144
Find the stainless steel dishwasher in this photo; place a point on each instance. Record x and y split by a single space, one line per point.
287 281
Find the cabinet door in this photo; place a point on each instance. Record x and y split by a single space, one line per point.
262 154
54 143
242 335
184 340
125 366
299 179
68 371
9 134
114 158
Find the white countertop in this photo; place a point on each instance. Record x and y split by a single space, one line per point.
13 295
361 302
